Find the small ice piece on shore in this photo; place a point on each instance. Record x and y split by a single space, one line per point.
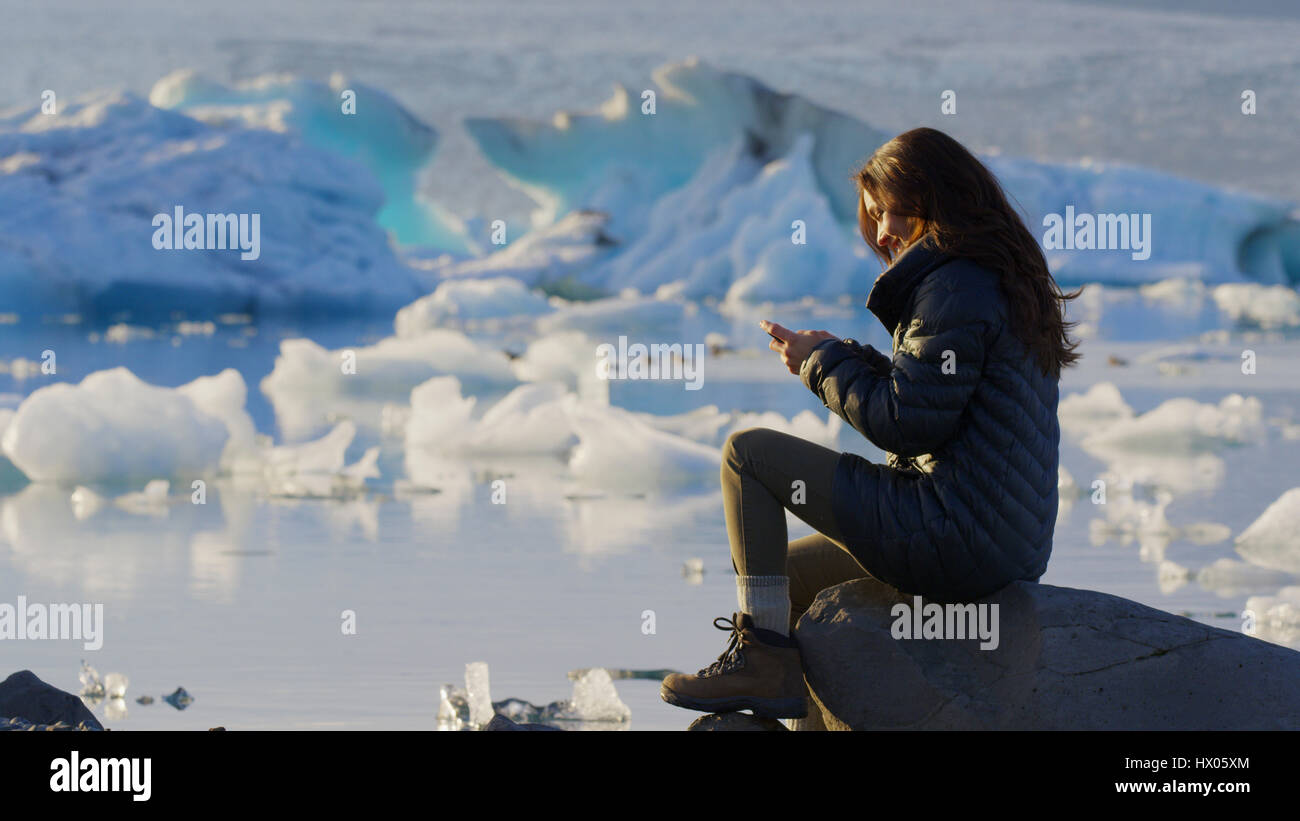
453 707
179 699
115 685
1270 541
478 693
595 699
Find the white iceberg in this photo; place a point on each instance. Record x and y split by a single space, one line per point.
113 427
380 134
1273 540
104 167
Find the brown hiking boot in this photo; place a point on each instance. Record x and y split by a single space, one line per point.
759 671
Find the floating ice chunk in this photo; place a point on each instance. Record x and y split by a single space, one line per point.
1277 617
611 440
453 708
1263 306
113 426
1182 426
225 396
151 501
305 373
607 319
531 419
595 699
478 694
1175 291
1065 484
85 502
1099 407
565 356
115 685
440 415
1273 540
1281 610
324 455
693 571
1170 576
92 686
469 302
367 467
1229 577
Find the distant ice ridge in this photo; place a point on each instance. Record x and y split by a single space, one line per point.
380 134
723 153
79 191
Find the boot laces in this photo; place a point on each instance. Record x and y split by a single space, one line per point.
732 658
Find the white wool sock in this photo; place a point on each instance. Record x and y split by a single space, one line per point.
767 601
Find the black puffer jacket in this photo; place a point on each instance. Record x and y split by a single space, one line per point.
967 501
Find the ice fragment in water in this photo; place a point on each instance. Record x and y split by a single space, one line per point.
595 699
115 685
92 687
477 693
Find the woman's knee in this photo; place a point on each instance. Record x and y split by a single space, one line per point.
739 447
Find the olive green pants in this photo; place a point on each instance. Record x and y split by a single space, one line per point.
765 473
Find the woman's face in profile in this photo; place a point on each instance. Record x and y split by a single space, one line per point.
891 230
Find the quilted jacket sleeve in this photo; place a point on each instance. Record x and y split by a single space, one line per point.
915 405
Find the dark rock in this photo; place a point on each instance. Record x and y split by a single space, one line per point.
500 723
25 696
27 726
1065 659
736 723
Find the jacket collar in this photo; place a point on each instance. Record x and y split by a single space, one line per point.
893 287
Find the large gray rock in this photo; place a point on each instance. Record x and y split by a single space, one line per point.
1066 659
25 696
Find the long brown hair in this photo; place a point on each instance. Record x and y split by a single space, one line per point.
948 193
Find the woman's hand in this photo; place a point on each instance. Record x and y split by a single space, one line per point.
794 346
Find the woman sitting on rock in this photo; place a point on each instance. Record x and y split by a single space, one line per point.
965 409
